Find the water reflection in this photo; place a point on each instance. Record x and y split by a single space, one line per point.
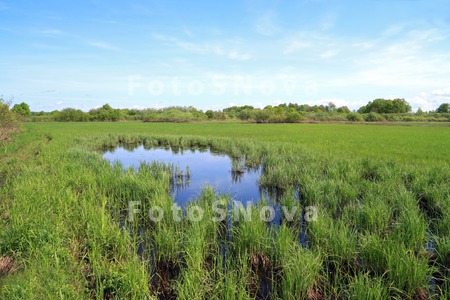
195 169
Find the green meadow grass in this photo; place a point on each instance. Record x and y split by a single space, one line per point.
426 144
382 194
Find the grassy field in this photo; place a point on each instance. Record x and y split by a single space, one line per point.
382 195
418 143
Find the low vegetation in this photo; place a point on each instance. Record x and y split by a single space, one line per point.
383 215
8 121
380 110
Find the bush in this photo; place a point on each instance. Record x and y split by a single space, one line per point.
72 115
262 116
293 117
105 113
355 117
326 117
392 117
374 117
410 119
8 121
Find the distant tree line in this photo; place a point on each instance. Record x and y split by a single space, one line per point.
378 110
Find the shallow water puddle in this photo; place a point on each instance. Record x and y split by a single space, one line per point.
197 168
203 167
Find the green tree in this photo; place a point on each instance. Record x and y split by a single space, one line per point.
330 107
22 109
443 108
383 106
246 114
105 113
343 109
419 112
209 113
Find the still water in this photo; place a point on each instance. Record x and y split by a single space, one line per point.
205 168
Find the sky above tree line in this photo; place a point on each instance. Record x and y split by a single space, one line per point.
216 54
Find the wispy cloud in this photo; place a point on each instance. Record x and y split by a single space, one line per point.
187 31
415 58
409 61
445 92
266 24
430 101
50 32
302 40
328 21
48 91
393 30
235 55
296 45
107 22
329 53
104 46
427 35
227 50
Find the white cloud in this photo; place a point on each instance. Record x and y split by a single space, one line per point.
235 55
51 32
364 45
104 46
221 49
329 54
442 92
426 35
412 61
214 107
393 30
296 45
107 22
328 21
258 105
429 101
391 97
305 40
188 32
337 101
266 25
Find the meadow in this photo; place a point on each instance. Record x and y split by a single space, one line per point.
382 195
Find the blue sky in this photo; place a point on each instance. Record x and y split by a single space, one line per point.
213 54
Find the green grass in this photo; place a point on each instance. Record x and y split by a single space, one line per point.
407 144
381 192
